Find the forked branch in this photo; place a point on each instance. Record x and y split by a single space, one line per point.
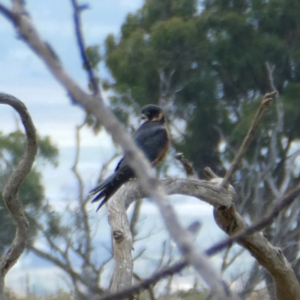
266 101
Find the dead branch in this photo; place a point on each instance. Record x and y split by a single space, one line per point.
92 78
135 218
187 165
146 283
285 282
234 225
122 242
11 188
266 101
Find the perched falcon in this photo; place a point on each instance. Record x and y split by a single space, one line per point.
152 138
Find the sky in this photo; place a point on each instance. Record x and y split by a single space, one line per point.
24 76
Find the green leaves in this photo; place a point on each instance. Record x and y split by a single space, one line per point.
31 192
93 56
208 64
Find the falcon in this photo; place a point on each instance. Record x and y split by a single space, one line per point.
152 138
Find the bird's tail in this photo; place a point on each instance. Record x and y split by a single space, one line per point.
108 187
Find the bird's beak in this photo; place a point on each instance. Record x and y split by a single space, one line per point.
144 118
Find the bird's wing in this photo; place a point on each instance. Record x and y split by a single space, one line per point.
153 141
120 164
102 185
109 186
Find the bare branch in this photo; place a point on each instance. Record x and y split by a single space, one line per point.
11 188
226 264
187 165
285 281
266 221
146 283
92 78
83 215
270 71
66 266
233 224
266 101
149 288
135 218
152 280
209 191
122 241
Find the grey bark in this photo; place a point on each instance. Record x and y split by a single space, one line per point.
122 241
10 191
286 285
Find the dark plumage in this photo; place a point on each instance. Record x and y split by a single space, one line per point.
152 138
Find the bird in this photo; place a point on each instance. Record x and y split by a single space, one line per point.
152 137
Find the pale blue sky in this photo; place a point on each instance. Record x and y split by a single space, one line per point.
23 75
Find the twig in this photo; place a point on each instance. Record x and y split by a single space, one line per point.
82 215
266 221
225 264
135 218
152 280
146 282
65 265
149 288
92 78
208 172
188 167
270 71
267 100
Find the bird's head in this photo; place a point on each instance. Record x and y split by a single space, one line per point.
151 113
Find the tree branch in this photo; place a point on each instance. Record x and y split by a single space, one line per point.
266 101
234 225
11 188
187 165
92 78
146 283
122 242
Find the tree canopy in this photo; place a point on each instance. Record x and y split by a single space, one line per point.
208 66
